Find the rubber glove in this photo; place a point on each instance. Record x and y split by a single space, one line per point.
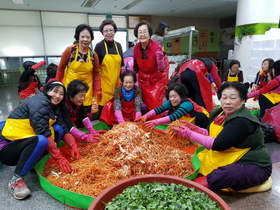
204 140
70 141
253 94
119 116
59 159
88 125
160 60
92 138
146 116
195 128
138 114
38 65
97 86
152 123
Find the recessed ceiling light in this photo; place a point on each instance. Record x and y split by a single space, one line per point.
18 1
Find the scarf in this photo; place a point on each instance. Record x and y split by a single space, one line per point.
220 119
127 94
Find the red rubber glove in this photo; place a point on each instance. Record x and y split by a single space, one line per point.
38 65
59 159
97 86
70 141
195 127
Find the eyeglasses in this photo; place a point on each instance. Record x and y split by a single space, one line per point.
143 32
108 31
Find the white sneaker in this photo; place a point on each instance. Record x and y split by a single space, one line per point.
19 189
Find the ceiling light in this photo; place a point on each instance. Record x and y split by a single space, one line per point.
90 3
132 4
18 1
189 3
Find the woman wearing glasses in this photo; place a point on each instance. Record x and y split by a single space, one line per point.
110 58
150 64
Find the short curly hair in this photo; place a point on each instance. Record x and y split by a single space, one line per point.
80 28
143 22
108 22
241 89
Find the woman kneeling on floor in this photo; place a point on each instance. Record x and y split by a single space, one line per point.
235 156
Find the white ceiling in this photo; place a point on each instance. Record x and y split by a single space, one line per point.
171 8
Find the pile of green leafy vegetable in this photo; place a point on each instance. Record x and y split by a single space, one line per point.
158 196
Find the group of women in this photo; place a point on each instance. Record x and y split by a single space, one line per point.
37 124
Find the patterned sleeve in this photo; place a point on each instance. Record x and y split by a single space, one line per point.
117 99
138 99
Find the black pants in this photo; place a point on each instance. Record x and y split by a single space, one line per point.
24 153
189 79
264 104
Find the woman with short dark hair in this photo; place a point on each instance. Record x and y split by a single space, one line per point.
79 61
110 55
178 107
235 156
151 64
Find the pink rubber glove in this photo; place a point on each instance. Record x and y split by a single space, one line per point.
138 114
195 128
119 116
160 61
57 156
152 123
146 116
253 94
92 138
206 141
88 125
38 65
70 141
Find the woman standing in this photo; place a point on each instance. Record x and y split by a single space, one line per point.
150 64
30 130
160 32
236 160
110 57
78 61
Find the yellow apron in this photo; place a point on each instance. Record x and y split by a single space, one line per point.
273 97
109 74
232 79
82 71
192 119
211 159
17 129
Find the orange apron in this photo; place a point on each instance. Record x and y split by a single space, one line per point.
82 71
211 159
109 74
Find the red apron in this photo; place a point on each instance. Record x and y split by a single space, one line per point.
152 83
108 115
31 89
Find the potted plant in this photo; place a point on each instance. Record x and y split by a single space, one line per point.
244 31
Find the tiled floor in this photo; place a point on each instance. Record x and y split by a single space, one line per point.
40 200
